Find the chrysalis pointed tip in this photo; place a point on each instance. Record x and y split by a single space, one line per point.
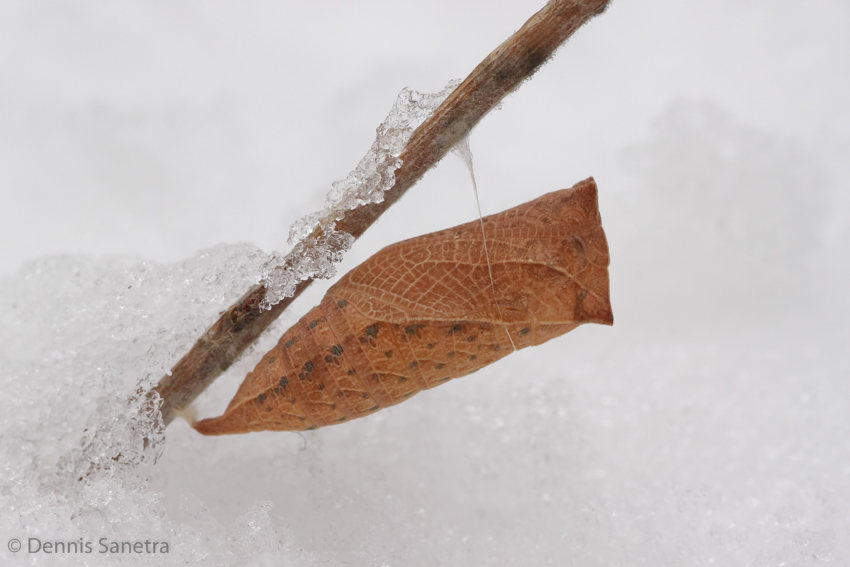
231 422
208 427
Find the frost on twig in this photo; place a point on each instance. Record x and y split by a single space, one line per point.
310 258
314 257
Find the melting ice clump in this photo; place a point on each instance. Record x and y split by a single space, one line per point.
315 258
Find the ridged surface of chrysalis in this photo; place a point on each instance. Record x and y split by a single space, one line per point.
422 312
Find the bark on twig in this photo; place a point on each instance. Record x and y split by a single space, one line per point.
501 72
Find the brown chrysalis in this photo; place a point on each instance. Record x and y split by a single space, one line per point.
423 311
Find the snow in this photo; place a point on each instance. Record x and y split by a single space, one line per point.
84 340
707 426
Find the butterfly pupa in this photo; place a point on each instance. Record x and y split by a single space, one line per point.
422 312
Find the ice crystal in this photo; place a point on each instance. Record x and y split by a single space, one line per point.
366 184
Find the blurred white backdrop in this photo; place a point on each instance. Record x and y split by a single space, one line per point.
708 424
161 128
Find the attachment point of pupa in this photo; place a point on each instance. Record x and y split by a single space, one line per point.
188 413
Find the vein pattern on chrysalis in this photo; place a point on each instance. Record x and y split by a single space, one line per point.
420 313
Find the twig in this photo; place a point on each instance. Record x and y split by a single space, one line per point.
501 72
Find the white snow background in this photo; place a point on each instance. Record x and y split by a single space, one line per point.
143 144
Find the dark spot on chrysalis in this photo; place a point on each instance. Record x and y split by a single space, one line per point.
373 408
414 364
311 427
578 244
388 354
271 360
525 331
351 372
473 357
342 303
277 390
456 329
313 323
321 385
302 376
289 343
411 330
302 418
439 366
308 367
341 419
407 394
365 396
470 338
497 347
261 398
329 359
336 350
402 379
582 295
284 381
333 406
376 377
451 354
430 345
372 330
446 378
292 401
